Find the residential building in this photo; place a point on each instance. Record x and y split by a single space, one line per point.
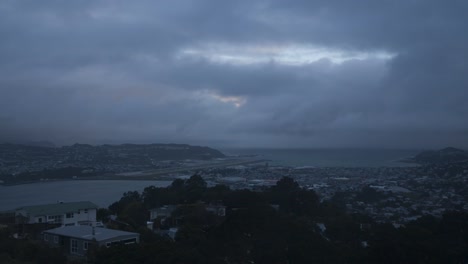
73 213
76 240
162 212
216 209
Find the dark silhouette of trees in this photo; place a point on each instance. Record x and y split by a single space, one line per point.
369 195
194 188
127 198
292 198
286 184
303 230
103 214
26 251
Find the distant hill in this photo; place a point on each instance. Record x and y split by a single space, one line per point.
30 143
19 158
446 155
21 163
105 152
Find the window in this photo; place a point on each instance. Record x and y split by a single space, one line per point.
39 220
56 219
46 237
56 239
69 215
85 211
74 246
85 245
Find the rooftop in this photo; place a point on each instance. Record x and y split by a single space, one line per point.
86 232
57 208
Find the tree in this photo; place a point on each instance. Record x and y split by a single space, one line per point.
195 182
178 185
194 189
103 214
26 251
292 198
286 184
216 193
134 214
127 198
369 195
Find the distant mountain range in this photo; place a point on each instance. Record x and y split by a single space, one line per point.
446 155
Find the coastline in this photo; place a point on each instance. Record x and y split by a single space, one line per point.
152 175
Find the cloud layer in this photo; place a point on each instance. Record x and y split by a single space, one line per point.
235 73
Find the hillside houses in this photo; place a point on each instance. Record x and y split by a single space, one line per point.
66 214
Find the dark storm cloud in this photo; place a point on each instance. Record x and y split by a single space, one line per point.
238 73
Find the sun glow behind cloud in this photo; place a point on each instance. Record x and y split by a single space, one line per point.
294 55
236 101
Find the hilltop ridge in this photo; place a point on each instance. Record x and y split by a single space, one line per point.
445 155
16 159
155 150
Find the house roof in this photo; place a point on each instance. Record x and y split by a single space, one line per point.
164 208
86 232
57 208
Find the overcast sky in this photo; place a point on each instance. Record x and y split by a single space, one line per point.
238 73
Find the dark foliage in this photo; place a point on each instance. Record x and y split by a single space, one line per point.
283 224
302 230
26 251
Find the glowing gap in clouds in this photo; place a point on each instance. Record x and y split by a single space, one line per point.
289 54
236 101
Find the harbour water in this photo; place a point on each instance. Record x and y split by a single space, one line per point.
101 192
104 193
330 157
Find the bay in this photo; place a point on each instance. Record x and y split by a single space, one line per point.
105 192
330 157
101 192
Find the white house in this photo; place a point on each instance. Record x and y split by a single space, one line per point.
66 214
